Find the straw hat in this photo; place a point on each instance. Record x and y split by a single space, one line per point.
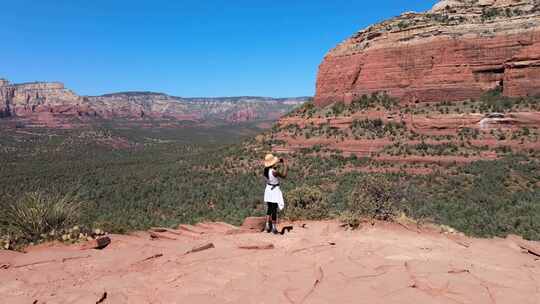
270 160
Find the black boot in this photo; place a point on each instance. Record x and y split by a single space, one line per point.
268 227
274 229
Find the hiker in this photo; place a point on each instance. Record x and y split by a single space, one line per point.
272 194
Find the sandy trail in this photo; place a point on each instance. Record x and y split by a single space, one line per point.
321 263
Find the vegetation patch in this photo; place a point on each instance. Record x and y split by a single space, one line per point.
377 197
36 216
306 202
375 100
166 181
376 128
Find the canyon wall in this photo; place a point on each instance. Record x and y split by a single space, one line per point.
456 51
19 100
51 104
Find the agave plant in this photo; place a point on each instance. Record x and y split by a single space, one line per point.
36 214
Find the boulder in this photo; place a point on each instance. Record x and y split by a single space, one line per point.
254 223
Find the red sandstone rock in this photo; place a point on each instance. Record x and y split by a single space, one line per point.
530 247
421 57
201 248
155 235
191 229
256 246
254 223
379 263
98 243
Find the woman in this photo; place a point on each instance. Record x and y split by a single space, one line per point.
272 194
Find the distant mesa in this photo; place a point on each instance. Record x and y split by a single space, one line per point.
457 50
133 93
50 104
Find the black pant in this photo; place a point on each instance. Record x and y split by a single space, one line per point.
272 210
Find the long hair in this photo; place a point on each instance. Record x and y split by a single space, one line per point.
266 172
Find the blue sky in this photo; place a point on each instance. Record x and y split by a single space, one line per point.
183 48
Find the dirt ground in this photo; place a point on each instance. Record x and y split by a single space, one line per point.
318 262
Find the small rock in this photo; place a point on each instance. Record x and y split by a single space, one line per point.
155 235
201 248
259 246
98 243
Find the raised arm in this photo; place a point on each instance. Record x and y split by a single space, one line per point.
282 172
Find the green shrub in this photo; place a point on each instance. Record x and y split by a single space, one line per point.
469 133
307 109
306 202
372 101
490 13
36 214
376 127
349 219
440 149
403 25
338 108
376 196
494 101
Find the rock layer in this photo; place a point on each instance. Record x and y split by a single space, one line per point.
456 51
26 98
51 102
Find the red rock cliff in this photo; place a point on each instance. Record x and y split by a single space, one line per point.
456 51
